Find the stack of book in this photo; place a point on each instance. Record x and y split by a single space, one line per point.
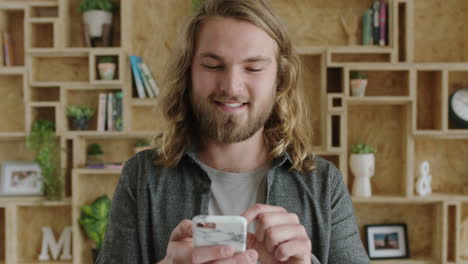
145 84
375 24
110 112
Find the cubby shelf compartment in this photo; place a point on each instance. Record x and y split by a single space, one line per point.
429 105
42 32
87 186
64 67
456 79
312 92
84 96
423 222
30 220
12 111
448 170
12 21
393 81
391 143
94 59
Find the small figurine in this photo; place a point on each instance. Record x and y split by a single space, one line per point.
423 185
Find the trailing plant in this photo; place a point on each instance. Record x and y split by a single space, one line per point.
44 142
94 219
358 75
196 4
362 149
79 112
104 5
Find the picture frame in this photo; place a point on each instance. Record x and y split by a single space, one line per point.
388 241
20 178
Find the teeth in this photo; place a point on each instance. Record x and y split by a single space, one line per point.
233 105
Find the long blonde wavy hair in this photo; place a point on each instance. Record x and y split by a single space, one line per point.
286 129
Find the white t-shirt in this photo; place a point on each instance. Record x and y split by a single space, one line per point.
233 193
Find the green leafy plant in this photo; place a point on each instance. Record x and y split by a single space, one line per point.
106 59
362 149
104 5
94 219
196 4
94 149
142 143
80 112
44 142
358 75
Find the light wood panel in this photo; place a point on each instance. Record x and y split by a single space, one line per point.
12 109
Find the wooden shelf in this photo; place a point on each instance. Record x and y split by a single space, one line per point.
32 201
380 100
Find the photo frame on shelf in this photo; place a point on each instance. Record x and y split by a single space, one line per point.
389 241
21 178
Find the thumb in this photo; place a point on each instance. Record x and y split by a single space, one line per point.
183 230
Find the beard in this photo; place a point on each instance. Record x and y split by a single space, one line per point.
224 127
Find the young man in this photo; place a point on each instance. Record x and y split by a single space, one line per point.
235 144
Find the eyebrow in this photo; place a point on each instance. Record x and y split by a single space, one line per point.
258 58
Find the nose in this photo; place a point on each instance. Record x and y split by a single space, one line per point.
231 81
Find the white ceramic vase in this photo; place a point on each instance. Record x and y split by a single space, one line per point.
96 19
358 87
362 167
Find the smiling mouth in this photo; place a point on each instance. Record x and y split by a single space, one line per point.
231 104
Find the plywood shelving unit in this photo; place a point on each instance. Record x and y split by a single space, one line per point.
404 113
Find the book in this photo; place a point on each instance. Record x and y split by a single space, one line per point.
367 28
101 117
8 49
149 75
376 13
134 60
2 58
118 119
110 111
383 23
146 84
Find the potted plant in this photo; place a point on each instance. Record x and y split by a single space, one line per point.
141 144
80 116
358 83
362 164
106 67
43 140
94 156
96 14
94 219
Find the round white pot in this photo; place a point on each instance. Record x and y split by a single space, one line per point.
358 87
362 167
106 70
96 19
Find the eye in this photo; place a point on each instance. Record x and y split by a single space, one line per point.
213 67
254 70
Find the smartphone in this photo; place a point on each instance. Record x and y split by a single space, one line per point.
213 230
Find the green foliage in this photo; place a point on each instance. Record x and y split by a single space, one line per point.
104 5
107 59
94 218
142 143
80 112
358 75
94 149
44 142
362 149
196 4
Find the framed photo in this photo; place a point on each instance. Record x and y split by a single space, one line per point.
388 241
21 178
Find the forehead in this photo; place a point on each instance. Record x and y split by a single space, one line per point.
233 39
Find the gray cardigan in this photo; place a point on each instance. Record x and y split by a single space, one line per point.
150 201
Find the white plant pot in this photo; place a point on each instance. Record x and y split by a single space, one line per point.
362 167
358 87
106 71
96 19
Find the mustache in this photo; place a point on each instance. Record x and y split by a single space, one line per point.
225 97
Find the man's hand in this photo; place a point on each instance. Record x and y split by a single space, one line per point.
180 250
279 235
